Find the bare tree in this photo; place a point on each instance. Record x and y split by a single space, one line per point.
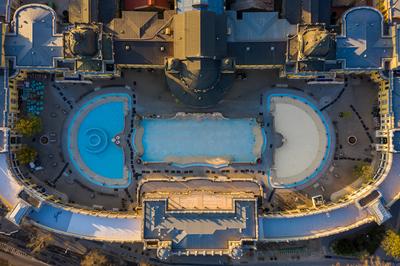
95 258
40 241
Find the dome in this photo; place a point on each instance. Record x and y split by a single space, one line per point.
200 75
83 42
316 43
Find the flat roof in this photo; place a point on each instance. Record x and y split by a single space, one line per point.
9 188
35 43
396 141
310 225
216 6
390 186
258 53
142 53
258 27
363 45
200 230
3 7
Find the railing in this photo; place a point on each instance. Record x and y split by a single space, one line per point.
321 233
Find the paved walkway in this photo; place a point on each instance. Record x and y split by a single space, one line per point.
9 188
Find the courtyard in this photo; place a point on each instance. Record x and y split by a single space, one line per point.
348 106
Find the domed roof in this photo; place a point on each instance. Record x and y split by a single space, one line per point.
316 43
163 253
200 74
198 82
83 41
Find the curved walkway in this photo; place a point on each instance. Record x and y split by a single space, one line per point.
9 188
331 222
312 225
88 226
390 186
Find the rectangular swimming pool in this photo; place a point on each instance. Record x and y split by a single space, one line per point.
199 139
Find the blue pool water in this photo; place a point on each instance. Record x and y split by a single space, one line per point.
97 150
98 126
207 138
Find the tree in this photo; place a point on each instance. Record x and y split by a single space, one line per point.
344 247
95 258
391 244
26 155
29 126
40 241
362 245
364 171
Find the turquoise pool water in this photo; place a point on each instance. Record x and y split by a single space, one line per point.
97 150
198 141
99 121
